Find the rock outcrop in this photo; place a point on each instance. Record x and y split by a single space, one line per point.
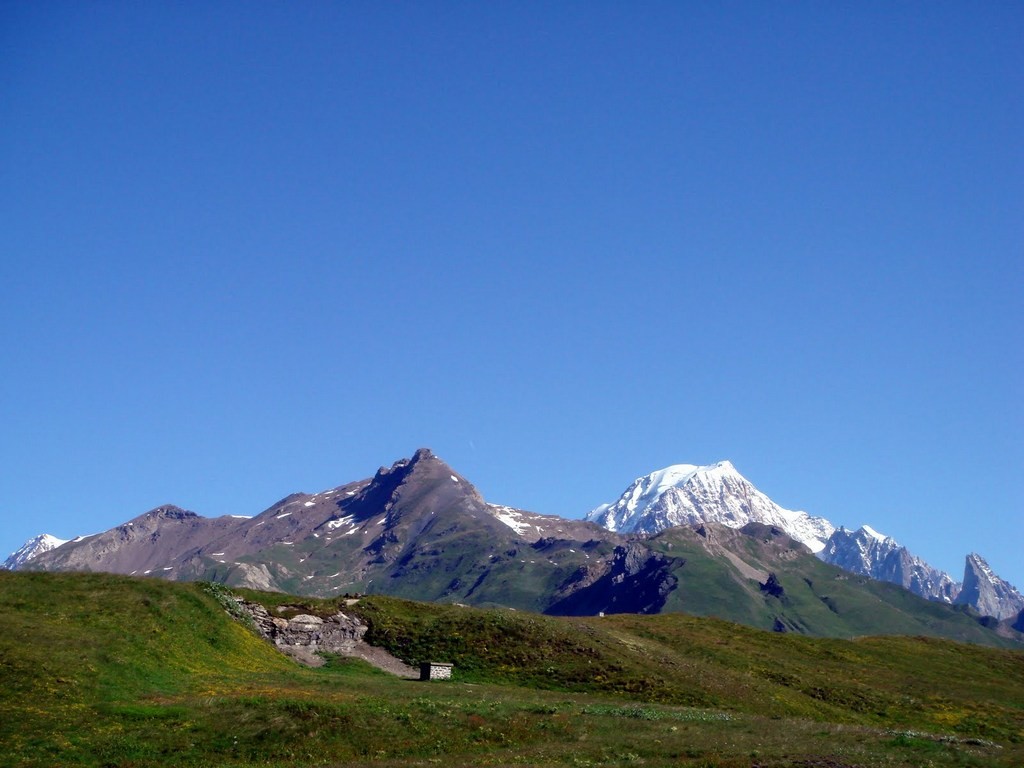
306 638
773 587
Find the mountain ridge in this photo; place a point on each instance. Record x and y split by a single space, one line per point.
870 553
419 529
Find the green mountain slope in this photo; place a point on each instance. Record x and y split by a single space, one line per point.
102 670
725 574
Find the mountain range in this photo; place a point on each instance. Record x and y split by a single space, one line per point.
697 539
873 554
685 494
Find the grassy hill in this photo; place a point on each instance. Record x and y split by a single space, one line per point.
101 670
815 598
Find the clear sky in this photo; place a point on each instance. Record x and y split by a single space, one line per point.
254 248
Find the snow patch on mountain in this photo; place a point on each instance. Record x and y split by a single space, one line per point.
513 518
35 546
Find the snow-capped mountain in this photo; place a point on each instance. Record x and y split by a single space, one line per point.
986 592
685 494
44 542
870 553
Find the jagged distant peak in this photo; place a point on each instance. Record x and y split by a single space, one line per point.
867 552
986 592
974 560
867 529
682 494
35 546
868 536
978 566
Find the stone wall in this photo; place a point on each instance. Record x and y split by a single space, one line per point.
432 670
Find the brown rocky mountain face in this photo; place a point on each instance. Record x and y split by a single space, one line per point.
417 529
150 544
987 593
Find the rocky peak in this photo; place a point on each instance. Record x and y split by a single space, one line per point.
419 496
380 492
986 592
869 553
170 512
31 549
422 454
412 476
403 466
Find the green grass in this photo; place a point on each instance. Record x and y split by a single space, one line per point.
819 599
101 670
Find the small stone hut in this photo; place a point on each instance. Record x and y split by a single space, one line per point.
435 670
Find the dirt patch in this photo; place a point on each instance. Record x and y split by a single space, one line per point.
381 659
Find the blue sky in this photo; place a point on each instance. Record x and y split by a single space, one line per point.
248 249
